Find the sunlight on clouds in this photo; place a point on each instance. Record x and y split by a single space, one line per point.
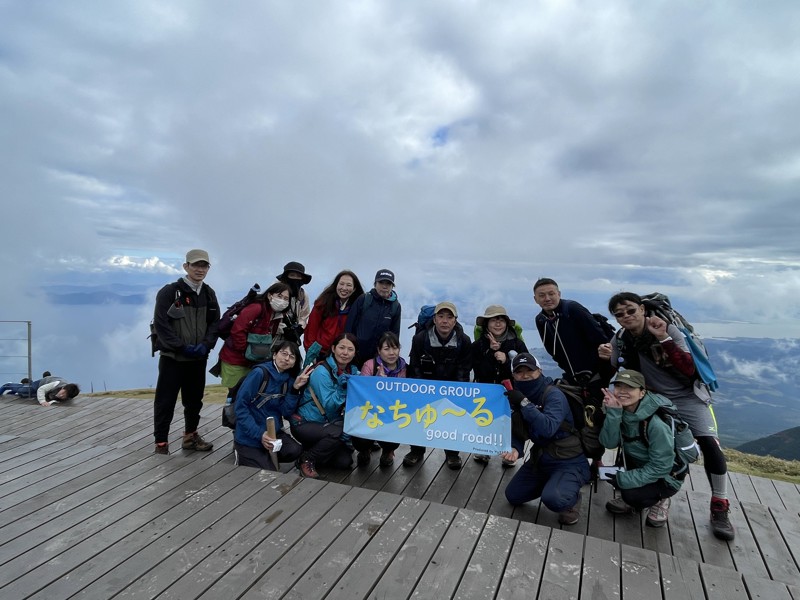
84 184
153 264
751 369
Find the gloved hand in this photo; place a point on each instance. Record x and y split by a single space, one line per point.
195 351
514 398
612 479
342 380
201 350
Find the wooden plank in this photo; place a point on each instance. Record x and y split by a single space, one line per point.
488 485
640 575
601 522
30 571
157 566
485 568
524 570
680 578
742 487
767 494
789 494
714 551
248 571
561 577
789 526
766 589
774 551
207 559
12 457
628 529
388 531
39 459
722 584
466 481
146 546
407 565
681 529
500 505
442 484
698 479
446 568
68 485
745 548
794 591
600 577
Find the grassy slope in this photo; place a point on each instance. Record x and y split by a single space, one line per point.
763 466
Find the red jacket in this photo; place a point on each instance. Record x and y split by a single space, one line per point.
248 321
324 330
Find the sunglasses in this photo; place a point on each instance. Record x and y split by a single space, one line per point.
625 313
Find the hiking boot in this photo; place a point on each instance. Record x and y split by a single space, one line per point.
162 448
306 468
454 462
720 522
412 458
481 458
193 441
362 458
658 514
387 458
618 506
571 515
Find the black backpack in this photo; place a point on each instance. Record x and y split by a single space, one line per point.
587 417
229 316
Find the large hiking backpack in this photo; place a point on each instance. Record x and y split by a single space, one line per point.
659 305
230 315
587 417
686 449
424 317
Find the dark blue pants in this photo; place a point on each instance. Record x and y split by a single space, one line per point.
558 483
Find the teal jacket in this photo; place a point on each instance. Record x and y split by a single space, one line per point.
330 390
644 463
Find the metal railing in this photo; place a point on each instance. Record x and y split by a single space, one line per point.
14 346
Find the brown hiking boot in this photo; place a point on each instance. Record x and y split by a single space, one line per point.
307 469
193 441
720 522
387 458
571 515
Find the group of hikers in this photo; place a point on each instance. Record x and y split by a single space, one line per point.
350 331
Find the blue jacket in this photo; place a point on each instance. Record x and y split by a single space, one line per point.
370 322
548 408
331 391
252 410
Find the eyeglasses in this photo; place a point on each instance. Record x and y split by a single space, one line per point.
626 313
200 265
286 354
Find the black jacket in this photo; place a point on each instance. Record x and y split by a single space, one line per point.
429 359
184 318
371 318
485 366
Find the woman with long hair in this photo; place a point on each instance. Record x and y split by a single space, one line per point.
329 315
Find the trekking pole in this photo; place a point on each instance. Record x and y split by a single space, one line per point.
271 433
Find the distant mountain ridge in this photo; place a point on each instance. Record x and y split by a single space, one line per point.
784 444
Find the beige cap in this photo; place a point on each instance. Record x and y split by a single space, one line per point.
196 255
446 306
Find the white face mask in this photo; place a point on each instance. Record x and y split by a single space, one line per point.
278 304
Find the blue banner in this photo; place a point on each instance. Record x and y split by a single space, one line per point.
469 417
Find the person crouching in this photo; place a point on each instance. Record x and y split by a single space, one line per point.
556 468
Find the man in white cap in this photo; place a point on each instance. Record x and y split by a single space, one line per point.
441 351
185 320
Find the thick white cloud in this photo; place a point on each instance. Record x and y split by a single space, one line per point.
472 147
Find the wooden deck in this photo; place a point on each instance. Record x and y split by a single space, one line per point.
87 511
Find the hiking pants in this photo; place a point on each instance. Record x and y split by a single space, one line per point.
558 483
187 377
323 445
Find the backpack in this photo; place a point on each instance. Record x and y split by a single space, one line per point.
686 449
608 329
424 317
230 315
587 418
659 305
229 410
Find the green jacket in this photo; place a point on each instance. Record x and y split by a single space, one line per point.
644 463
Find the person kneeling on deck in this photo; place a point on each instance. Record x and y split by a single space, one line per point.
255 403
557 468
647 481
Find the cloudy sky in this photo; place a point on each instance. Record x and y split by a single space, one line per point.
472 147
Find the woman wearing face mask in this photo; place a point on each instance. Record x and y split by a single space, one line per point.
329 315
255 332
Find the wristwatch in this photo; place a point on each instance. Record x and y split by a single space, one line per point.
524 402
